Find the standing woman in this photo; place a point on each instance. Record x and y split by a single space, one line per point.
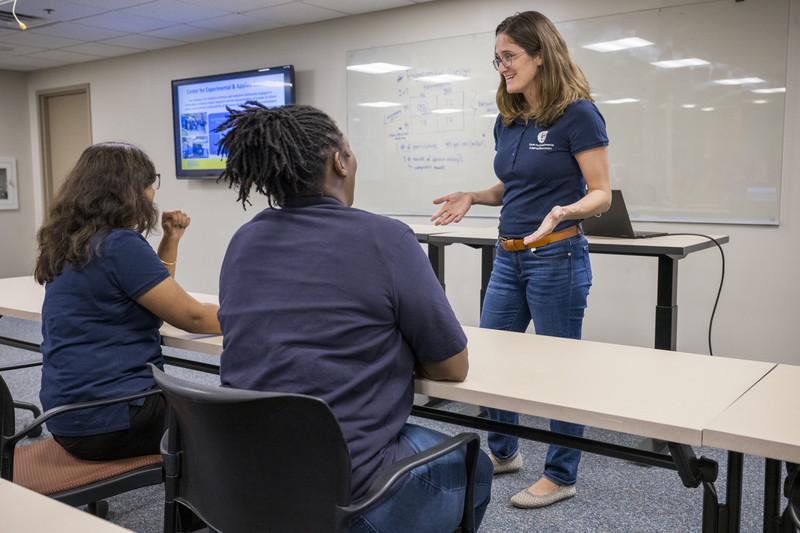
106 295
552 162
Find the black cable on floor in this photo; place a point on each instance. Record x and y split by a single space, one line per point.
721 280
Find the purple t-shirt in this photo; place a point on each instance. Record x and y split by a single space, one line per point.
97 340
538 167
320 299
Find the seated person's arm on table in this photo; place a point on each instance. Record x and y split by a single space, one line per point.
171 303
452 369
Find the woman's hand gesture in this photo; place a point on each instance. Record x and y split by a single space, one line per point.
549 223
456 205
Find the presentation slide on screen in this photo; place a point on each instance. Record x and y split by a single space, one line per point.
202 108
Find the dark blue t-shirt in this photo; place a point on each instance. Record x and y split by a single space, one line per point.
338 303
538 167
97 339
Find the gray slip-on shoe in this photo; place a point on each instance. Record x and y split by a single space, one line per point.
526 500
508 466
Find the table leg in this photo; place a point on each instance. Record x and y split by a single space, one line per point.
436 257
666 323
487 264
772 496
733 491
667 304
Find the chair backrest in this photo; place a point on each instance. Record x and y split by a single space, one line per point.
254 461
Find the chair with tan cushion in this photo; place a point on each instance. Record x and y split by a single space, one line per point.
45 467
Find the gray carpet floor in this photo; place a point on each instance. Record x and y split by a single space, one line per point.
612 495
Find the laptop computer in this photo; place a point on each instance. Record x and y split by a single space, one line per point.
615 222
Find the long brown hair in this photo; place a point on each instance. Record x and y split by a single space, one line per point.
105 191
559 81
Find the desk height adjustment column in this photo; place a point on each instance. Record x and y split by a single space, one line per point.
667 304
436 257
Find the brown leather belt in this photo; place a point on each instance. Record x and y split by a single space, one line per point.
516 245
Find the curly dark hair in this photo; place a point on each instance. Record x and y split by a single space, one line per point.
282 151
105 191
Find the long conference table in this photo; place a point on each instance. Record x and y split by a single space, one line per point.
684 399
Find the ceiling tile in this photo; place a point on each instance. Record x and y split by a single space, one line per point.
38 40
237 6
189 34
143 42
71 30
65 57
108 5
174 11
354 7
117 20
11 50
238 24
101 49
61 10
27 63
295 13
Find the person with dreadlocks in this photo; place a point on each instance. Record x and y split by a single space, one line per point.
323 299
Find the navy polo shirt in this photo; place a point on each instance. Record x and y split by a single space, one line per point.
538 167
321 299
97 340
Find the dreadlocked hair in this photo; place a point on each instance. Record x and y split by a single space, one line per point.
281 151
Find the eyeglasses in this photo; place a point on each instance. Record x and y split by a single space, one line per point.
505 60
157 183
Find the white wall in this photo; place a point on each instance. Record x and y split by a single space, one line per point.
17 227
131 101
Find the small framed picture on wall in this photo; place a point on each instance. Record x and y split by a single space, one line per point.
8 183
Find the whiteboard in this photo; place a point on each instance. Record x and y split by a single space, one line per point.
683 147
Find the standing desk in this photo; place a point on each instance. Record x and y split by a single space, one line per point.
423 233
667 249
24 510
764 422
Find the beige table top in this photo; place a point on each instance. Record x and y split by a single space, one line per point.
24 510
21 298
642 391
763 422
423 230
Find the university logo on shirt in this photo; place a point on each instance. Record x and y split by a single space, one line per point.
541 146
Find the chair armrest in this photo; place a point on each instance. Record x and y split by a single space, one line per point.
47 415
793 494
393 473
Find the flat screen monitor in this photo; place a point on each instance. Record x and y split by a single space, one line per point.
199 106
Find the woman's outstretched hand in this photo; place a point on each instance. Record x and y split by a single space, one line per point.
456 205
549 223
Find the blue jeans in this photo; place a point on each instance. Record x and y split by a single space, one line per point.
549 285
432 497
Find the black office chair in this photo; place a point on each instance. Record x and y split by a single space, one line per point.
791 516
246 461
45 467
